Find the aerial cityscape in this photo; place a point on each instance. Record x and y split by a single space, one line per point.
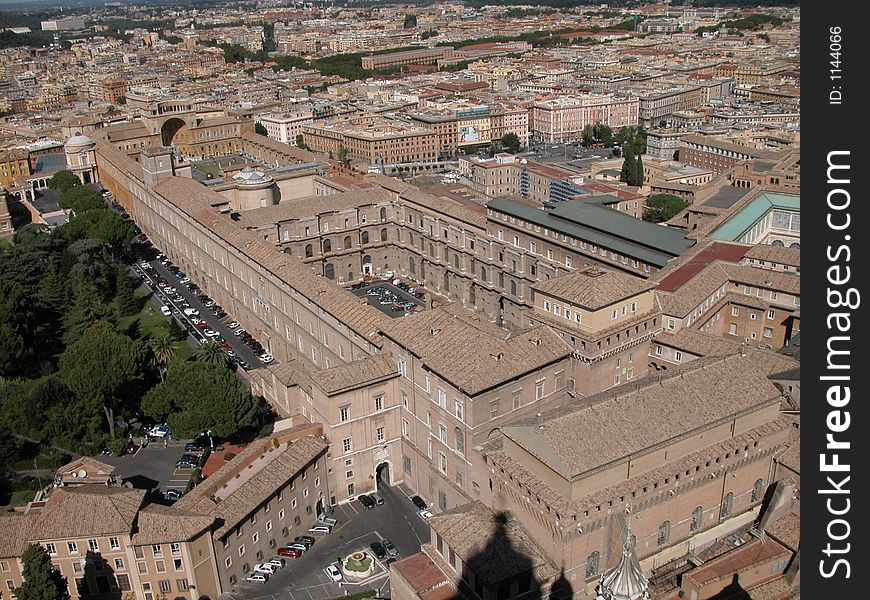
420 300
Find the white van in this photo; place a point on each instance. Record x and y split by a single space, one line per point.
377 498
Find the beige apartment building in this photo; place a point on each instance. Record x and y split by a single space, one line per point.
563 119
373 140
423 56
106 540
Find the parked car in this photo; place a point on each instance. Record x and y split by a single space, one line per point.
258 577
211 333
419 502
166 311
298 546
232 324
390 548
190 458
266 358
424 514
324 520
185 464
333 573
160 431
366 501
292 552
304 539
277 562
264 568
320 529
377 498
378 549
191 312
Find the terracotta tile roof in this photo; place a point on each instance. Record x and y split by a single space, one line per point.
301 208
703 344
778 589
87 511
159 524
594 288
740 558
470 352
96 471
356 374
422 574
701 286
787 531
441 204
204 499
565 506
779 281
780 255
298 154
637 416
14 532
493 546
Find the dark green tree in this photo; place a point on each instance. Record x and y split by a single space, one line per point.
41 581
16 326
663 207
211 353
638 171
588 134
511 142
81 199
99 365
197 397
260 129
628 166
300 142
64 180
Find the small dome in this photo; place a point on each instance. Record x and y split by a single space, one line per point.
250 176
79 140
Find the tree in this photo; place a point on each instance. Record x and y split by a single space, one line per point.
343 157
300 142
197 397
16 326
638 171
663 207
41 580
212 354
410 22
64 180
163 348
260 129
628 166
81 199
511 142
99 365
588 134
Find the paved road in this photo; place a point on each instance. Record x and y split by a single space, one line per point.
303 578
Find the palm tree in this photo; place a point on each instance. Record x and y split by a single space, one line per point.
163 348
211 353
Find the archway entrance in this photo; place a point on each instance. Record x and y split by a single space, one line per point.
171 129
319 506
382 474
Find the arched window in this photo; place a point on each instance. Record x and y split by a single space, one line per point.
365 237
725 511
795 245
348 243
411 238
309 251
777 243
327 246
384 234
592 564
664 533
697 515
329 271
288 251
367 260
456 261
446 284
483 274
411 266
513 288
756 490
460 440
472 296
383 214
432 249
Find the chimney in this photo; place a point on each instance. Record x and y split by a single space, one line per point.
496 356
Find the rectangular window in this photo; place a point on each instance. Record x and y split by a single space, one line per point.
165 586
347 445
768 332
119 563
539 389
242 550
671 324
113 543
732 329
175 548
379 403
177 564
442 398
72 547
771 314
350 489
93 546
460 410
182 584
406 428
123 582
735 312
380 434
161 566
442 462
344 413
49 547
402 366
678 356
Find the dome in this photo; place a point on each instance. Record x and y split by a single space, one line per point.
79 140
250 176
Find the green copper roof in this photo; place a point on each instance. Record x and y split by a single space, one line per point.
743 220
